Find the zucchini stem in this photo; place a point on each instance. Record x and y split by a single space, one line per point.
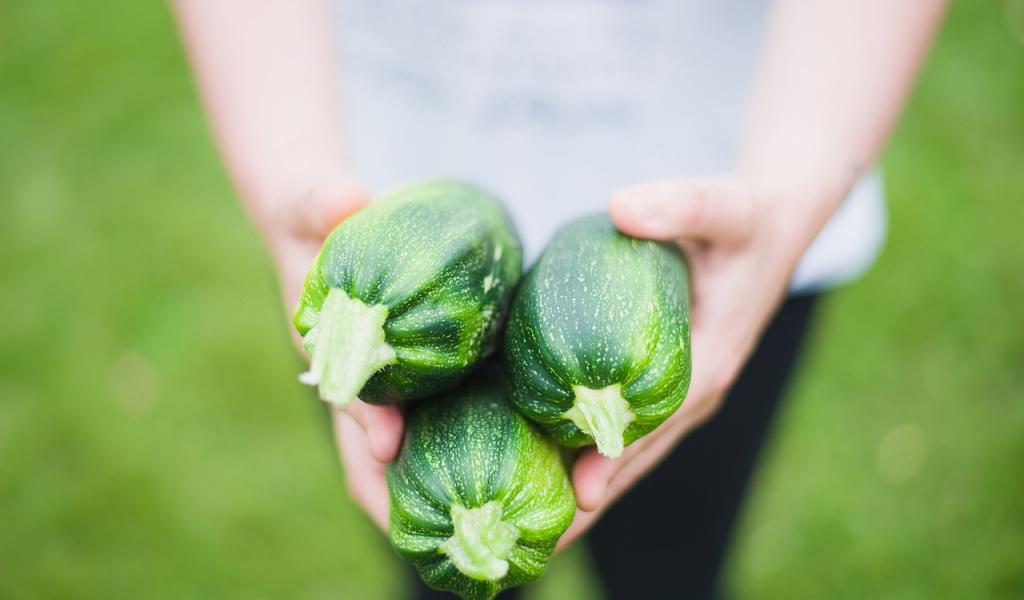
603 415
347 347
481 542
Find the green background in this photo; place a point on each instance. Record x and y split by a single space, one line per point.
154 441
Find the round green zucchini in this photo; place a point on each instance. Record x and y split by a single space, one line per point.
479 497
598 340
407 294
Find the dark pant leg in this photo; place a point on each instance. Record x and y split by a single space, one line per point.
668 536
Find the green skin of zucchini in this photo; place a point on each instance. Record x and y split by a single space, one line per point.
406 295
479 497
598 340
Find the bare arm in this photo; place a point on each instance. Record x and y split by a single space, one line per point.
267 80
833 77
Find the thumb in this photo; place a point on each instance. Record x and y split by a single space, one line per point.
325 205
305 223
383 426
713 210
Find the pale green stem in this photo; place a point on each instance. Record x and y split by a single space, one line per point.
347 347
603 415
480 545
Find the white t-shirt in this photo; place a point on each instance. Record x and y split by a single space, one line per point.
553 104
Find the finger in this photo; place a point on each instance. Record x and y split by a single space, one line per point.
646 459
583 521
593 473
325 205
671 209
594 476
383 426
590 476
365 476
609 478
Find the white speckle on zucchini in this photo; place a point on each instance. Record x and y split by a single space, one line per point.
488 283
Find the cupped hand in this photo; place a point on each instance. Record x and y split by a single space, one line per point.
368 436
742 243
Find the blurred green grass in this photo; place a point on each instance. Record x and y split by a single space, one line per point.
153 440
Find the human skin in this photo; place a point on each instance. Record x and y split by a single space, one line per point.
832 79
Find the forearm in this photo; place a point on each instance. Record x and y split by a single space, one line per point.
267 79
832 80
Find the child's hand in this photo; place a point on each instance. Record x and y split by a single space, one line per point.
368 436
742 243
